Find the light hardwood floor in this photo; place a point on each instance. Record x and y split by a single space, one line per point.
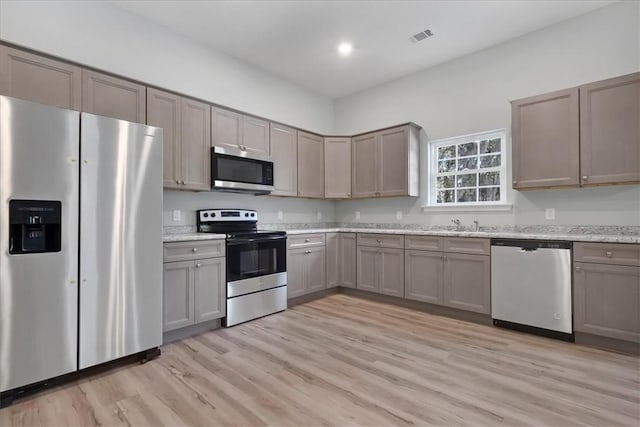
345 361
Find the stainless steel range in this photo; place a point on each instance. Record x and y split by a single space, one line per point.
256 263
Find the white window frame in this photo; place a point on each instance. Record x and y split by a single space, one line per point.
475 137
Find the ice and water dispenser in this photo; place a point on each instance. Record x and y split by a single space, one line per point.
34 226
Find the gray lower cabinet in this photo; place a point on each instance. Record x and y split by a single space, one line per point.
423 276
305 271
467 283
194 292
341 260
380 270
607 300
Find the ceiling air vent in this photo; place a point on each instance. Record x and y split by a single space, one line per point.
422 35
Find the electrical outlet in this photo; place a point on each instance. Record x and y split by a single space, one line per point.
357 214
399 215
319 215
550 213
176 215
280 215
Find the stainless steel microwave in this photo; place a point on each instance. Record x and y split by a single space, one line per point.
240 171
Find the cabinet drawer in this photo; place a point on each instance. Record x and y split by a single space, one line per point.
607 253
306 240
467 245
381 240
423 243
181 251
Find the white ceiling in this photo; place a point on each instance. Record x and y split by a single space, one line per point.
297 40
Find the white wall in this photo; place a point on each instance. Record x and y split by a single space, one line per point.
471 94
105 37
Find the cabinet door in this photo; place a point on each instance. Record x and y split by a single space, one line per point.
545 138
178 286
255 135
607 300
284 153
38 79
315 269
226 128
368 269
364 165
310 165
423 276
296 259
347 246
467 282
392 272
163 110
393 166
110 96
610 131
210 289
337 168
333 259
196 145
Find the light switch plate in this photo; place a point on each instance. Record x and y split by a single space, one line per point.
550 213
399 215
357 214
280 215
176 215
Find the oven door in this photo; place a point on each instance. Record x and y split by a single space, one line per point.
237 171
255 264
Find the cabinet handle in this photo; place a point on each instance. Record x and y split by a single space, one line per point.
194 250
378 240
307 240
609 254
515 182
585 178
198 265
307 252
177 181
444 257
578 269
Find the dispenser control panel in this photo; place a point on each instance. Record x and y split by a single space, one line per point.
35 226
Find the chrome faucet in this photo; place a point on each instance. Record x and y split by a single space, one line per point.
458 224
476 225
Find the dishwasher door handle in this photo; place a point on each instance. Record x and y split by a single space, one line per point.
525 250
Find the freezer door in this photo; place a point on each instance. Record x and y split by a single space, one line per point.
39 149
120 239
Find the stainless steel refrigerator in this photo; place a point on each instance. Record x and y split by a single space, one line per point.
80 241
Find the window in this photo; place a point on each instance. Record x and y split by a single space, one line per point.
468 170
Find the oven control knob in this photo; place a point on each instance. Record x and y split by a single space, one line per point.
246 214
205 215
213 214
253 214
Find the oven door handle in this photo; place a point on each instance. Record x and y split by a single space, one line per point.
234 242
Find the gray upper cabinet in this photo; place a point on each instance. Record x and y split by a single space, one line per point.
163 110
226 128
385 163
187 134
196 145
364 165
467 284
39 79
545 140
337 168
210 289
310 165
239 131
423 277
284 153
255 135
610 131
114 97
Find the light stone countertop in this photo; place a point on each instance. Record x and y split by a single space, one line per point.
602 238
188 237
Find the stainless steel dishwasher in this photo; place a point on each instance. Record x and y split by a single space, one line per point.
531 286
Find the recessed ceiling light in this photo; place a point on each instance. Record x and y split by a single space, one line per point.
345 48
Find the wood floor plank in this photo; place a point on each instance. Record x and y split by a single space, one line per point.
346 361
